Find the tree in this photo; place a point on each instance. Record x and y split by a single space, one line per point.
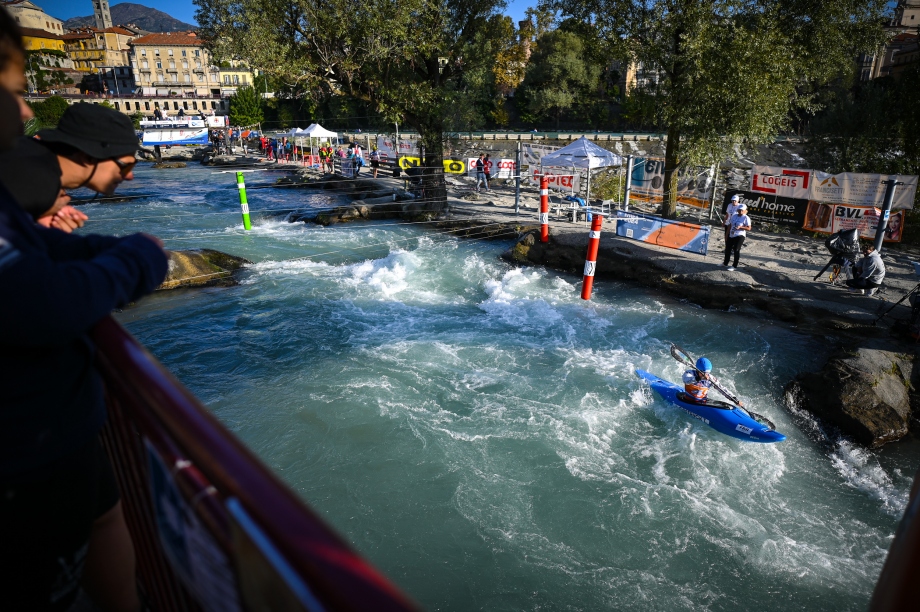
729 71
245 107
558 76
48 112
406 58
869 128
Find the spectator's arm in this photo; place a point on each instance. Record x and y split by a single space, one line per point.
47 302
64 246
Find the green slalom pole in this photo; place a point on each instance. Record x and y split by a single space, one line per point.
244 204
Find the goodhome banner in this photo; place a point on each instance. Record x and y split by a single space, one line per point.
694 185
663 232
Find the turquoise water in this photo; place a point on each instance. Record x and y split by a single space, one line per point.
476 430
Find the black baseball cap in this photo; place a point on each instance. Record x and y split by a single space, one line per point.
32 175
100 132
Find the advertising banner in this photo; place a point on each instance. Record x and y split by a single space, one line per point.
387 146
663 232
531 154
862 189
501 168
694 185
560 179
454 166
782 182
831 218
504 169
769 209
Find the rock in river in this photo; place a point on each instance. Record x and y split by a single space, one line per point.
867 393
201 268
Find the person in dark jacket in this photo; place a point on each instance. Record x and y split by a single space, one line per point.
61 521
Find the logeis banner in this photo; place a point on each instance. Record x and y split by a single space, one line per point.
851 188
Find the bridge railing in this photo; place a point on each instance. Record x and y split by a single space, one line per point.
213 527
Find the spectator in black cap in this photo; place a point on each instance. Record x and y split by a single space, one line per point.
61 520
33 177
95 147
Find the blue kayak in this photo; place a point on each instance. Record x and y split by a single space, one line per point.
726 418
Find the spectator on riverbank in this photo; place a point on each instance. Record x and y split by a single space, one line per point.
738 226
487 170
870 272
61 521
481 173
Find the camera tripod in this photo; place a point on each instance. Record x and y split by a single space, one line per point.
914 308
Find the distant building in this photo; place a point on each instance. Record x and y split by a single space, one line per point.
234 74
101 14
34 39
899 50
177 62
29 15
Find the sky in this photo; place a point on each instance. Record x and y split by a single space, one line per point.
184 10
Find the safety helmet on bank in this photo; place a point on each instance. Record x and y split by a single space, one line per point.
736 198
703 365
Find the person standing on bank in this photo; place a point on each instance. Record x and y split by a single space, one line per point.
870 272
738 226
481 173
375 159
487 169
731 210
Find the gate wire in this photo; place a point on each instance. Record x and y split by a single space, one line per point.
225 273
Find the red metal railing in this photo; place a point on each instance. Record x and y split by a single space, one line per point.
214 529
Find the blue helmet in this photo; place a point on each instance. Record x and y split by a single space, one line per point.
703 365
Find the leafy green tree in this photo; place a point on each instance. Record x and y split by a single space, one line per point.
558 76
730 71
869 128
48 112
246 107
405 58
136 119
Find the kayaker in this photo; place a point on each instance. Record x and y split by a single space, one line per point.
697 381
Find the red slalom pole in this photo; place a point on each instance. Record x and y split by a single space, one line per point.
544 209
594 240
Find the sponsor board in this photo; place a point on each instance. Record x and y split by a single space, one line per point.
663 232
501 168
831 218
782 182
558 179
532 154
856 189
769 209
694 185
862 189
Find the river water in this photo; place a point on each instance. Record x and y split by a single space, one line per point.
477 431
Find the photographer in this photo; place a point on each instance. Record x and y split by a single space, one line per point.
870 272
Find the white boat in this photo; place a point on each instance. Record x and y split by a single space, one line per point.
181 130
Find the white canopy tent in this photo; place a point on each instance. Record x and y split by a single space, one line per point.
582 154
316 131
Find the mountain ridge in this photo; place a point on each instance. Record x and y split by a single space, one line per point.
144 17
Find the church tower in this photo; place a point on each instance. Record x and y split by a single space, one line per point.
102 14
